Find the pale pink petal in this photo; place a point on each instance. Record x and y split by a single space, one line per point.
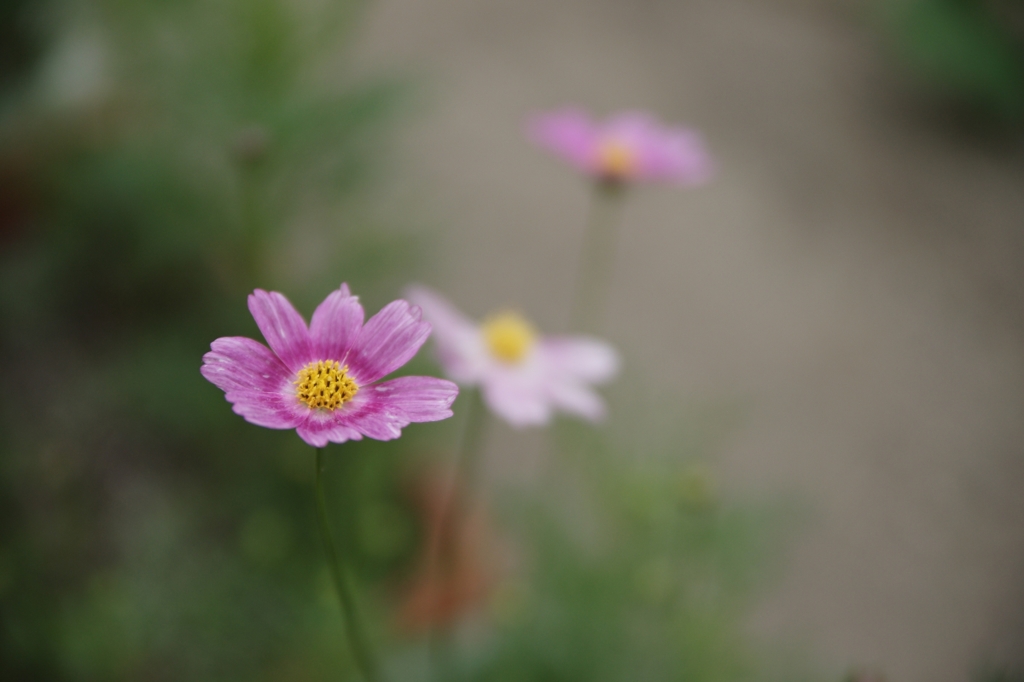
680 157
282 327
446 320
577 399
517 397
635 129
642 134
569 133
580 358
335 325
389 340
456 337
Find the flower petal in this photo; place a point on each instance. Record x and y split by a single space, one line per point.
282 327
236 363
518 398
254 381
322 427
270 410
577 399
580 358
636 128
569 133
669 153
335 325
457 338
388 341
421 399
680 157
383 410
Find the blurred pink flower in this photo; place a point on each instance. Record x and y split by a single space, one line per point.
320 380
523 378
628 147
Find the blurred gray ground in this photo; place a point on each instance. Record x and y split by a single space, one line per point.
853 274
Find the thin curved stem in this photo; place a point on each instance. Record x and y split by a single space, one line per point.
466 466
600 239
353 625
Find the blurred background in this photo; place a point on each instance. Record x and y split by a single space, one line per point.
814 464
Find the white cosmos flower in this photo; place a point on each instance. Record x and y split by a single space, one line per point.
523 377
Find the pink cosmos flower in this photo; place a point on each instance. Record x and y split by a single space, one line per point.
628 147
523 377
320 380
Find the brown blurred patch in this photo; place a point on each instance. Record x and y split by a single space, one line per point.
458 563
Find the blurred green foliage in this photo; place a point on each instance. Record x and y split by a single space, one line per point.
147 532
656 591
160 159
969 51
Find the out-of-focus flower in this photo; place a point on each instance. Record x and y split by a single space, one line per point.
628 147
457 565
523 377
320 380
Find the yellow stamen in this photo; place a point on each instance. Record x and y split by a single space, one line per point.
616 159
325 385
509 337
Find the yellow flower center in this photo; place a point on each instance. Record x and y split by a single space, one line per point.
508 336
325 385
616 159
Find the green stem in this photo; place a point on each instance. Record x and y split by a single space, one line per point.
597 258
353 626
466 466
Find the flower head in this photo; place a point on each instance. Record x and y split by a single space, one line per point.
523 377
320 380
627 147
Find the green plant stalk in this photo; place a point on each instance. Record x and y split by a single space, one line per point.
463 481
353 626
600 241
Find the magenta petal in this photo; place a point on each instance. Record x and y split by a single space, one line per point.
254 380
381 411
335 325
236 363
318 434
421 399
322 427
272 410
388 341
282 327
